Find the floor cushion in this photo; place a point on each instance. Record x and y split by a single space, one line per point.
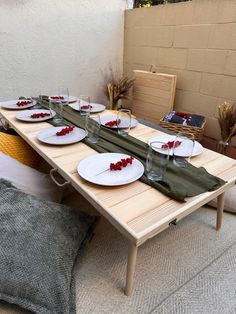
230 200
39 244
29 180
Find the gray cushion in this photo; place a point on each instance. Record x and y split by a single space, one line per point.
230 200
39 244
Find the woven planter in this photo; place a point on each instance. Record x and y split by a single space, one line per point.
175 127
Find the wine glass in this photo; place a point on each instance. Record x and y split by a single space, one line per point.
183 148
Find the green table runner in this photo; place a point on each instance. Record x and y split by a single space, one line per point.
178 183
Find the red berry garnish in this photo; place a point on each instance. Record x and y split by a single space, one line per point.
40 115
22 103
113 122
65 131
86 107
171 144
57 97
121 164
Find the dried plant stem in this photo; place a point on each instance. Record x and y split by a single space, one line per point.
232 133
227 122
116 89
225 119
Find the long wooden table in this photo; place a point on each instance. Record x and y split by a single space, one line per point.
137 210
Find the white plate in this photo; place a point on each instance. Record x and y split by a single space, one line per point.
93 169
49 136
181 151
26 115
11 104
111 117
95 107
71 98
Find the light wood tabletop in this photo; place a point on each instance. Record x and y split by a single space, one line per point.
137 210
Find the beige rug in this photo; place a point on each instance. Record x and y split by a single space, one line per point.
189 268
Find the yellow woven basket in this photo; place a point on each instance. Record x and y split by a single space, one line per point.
15 147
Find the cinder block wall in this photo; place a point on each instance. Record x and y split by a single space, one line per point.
195 40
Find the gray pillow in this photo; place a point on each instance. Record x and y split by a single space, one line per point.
39 244
230 201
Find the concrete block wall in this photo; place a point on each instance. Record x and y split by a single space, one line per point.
195 40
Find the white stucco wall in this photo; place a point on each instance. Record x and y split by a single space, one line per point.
50 43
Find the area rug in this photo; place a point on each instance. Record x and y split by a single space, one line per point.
189 268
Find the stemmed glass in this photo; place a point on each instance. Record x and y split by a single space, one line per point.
183 147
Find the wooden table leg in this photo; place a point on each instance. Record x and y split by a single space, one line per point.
132 254
220 209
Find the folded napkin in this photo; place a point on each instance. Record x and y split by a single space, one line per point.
178 183
184 118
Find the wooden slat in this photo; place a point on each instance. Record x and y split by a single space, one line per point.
147 200
154 84
148 114
152 95
163 77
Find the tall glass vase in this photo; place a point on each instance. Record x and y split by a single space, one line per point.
113 104
222 147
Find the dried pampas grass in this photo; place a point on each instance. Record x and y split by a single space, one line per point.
227 121
117 88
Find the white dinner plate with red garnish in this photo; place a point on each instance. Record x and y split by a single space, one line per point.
182 150
112 118
63 97
94 107
96 169
17 104
50 135
35 115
